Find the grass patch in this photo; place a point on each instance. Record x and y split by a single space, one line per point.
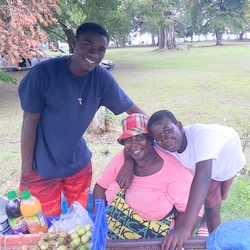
200 84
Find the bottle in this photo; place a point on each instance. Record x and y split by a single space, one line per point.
4 224
31 210
15 218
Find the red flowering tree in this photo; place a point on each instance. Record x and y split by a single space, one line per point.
21 27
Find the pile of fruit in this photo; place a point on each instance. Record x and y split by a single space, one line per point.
78 240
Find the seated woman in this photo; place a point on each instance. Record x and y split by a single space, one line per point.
159 191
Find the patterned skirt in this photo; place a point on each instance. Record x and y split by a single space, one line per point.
125 223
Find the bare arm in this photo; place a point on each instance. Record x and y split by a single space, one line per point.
135 109
126 174
198 193
28 138
98 193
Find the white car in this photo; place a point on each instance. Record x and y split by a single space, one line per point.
107 64
38 57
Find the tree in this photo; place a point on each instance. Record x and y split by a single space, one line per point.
157 17
109 14
71 13
217 16
21 27
113 16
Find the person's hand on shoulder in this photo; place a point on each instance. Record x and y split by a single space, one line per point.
124 178
126 174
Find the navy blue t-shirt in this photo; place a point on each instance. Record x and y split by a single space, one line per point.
52 90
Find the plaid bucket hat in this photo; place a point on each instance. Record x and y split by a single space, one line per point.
134 124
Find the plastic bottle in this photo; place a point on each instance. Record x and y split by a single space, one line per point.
31 210
4 224
15 218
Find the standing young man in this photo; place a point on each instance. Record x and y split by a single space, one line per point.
59 98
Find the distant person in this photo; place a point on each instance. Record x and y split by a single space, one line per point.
59 98
159 190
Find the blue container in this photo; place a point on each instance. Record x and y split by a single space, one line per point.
101 227
65 206
100 231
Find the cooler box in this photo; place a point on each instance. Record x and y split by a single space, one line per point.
98 240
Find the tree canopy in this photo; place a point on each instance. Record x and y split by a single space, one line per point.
28 24
218 16
21 25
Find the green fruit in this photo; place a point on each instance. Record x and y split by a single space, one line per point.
52 235
77 226
84 247
41 242
89 233
35 248
89 245
24 247
75 242
62 247
81 231
63 234
45 246
44 237
85 239
87 227
53 242
74 235
61 240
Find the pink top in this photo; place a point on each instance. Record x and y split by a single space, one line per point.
154 196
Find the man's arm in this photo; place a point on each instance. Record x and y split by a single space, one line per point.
199 188
135 109
28 138
98 193
126 174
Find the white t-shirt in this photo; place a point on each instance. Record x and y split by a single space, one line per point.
217 142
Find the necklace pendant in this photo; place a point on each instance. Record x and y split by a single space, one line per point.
79 100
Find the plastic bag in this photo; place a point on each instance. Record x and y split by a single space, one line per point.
76 214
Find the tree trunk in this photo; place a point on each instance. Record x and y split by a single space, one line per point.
167 38
218 38
161 38
103 122
241 36
69 34
98 123
153 40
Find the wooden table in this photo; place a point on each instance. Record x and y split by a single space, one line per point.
154 244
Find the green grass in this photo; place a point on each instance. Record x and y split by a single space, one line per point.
202 84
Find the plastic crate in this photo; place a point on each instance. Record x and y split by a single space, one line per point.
98 240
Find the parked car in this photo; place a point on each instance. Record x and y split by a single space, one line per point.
38 56
107 64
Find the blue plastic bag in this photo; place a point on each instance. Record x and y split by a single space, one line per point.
230 235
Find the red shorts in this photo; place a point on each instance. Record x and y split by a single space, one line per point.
48 191
217 192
